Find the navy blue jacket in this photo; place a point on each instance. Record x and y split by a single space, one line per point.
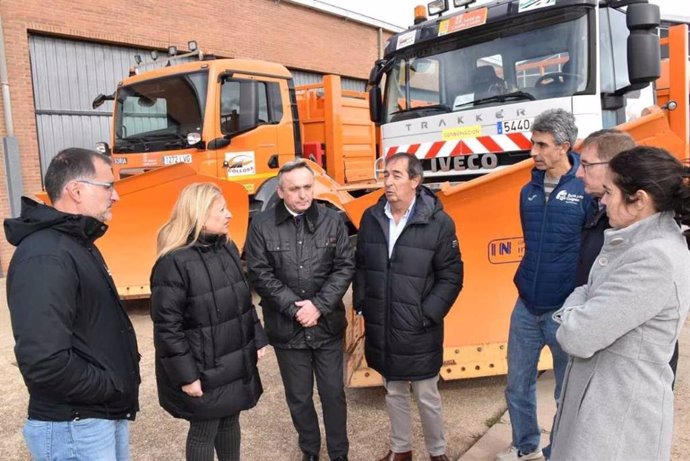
546 275
592 241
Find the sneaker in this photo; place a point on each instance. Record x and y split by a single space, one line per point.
516 455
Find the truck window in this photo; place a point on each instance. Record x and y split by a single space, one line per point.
613 35
416 85
158 114
244 105
550 75
477 68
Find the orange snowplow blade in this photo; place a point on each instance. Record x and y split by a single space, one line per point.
146 201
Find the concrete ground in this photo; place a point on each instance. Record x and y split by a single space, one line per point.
470 408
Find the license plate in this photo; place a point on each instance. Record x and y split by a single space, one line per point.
510 126
173 159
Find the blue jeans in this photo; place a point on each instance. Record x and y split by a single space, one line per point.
529 334
78 440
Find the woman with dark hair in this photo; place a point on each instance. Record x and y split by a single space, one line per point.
205 329
621 327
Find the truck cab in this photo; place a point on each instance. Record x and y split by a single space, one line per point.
229 119
460 91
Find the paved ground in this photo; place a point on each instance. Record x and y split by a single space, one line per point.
267 431
498 437
470 407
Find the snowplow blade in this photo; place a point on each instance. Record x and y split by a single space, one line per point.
146 201
486 214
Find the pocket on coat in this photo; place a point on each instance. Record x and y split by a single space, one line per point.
278 327
277 252
335 322
195 346
325 252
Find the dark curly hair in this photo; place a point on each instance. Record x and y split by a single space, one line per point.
659 174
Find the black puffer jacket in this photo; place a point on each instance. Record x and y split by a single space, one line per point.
404 298
288 263
75 345
205 327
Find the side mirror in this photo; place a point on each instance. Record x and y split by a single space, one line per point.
100 99
104 148
218 143
145 101
644 55
375 104
376 72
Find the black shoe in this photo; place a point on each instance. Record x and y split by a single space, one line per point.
309 457
340 458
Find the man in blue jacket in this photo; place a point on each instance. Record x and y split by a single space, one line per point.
553 210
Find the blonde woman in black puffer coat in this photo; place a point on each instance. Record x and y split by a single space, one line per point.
206 331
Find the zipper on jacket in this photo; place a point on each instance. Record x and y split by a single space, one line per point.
387 313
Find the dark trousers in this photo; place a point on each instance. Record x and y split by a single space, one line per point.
223 435
298 368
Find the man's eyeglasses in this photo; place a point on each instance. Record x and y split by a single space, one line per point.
106 185
586 165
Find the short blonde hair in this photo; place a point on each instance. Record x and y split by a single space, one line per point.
188 216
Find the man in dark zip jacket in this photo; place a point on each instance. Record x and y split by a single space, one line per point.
301 263
553 210
75 345
595 153
409 273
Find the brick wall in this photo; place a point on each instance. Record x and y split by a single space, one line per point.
289 34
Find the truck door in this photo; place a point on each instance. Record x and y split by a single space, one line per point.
249 114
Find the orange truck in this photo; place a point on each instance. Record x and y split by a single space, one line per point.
234 122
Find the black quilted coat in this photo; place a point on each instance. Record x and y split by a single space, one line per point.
312 260
404 298
205 326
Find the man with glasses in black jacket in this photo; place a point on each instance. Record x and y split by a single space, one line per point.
75 345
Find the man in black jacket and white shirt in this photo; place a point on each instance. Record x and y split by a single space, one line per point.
75 345
409 273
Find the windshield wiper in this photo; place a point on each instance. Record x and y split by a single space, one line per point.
154 137
129 143
421 111
515 95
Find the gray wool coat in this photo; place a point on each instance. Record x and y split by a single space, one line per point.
620 330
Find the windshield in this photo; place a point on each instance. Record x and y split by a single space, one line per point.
158 114
531 63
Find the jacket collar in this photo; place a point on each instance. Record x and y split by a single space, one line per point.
208 242
35 216
426 204
311 215
660 223
598 216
